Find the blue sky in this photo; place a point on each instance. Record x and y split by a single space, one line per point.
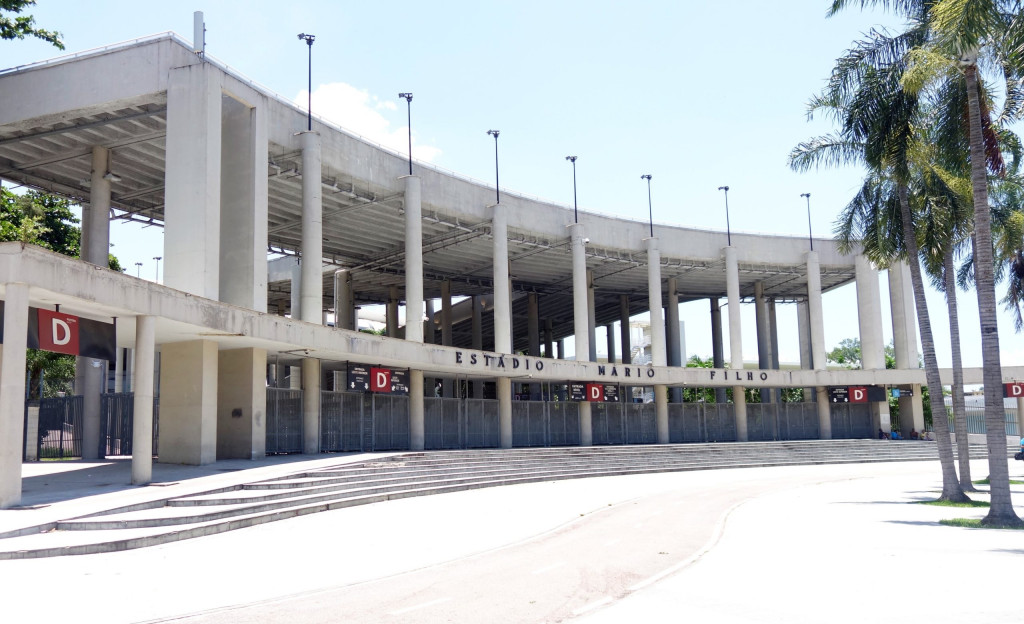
698 94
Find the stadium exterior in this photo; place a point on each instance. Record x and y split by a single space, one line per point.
152 131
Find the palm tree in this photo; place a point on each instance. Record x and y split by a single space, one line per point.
879 121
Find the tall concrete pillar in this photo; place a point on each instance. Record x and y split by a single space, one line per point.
478 340
446 330
417 432
192 180
816 320
243 205
428 325
241 403
1020 417
624 337
717 345
413 259
560 350
609 332
188 403
391 313
773 331
764 356
591 318
344 313
732 286
502 319
311 406
672 337
12 392
549 338
312 290
904 332
658 351
803 324
533 334
119 358
872 347
580 318
142 411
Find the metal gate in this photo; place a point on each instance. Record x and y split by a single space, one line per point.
851 420
798 421
341 421
701 422
388 428
284 420
443 423
563 423
117 414
60 427
483 429
763 422
530 423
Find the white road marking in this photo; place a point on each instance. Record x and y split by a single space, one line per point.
594 605
549 568
420 606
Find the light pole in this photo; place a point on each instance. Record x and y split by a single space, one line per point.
158 259
650 210
810 235
309 39
497 192
575 207
408 108
728 230
138 269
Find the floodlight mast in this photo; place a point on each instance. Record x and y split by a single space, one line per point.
408 107
810 234
309 39
650 210
728 230
497 191
575 206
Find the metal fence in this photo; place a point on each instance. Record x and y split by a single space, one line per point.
701 422
975 416
851 420
284 421
482 426
389 424
341 421
60 427
623 423
117 417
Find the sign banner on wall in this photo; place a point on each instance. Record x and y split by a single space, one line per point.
68 334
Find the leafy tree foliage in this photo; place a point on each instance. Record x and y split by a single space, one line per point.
15 26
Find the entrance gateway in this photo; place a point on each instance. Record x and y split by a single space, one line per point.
150 131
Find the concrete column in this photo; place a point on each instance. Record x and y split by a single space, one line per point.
413 260
533 323
188 403
502 320
1020 417
447 385
658 350
478 341
241 404
119 358
624 337
609 331
142 413
89 380
504 390
591 319
773 332
310 406
417 433
12 392
311 294
549 338
732 283
904 331
391 314
560 350
804 337
96 214
243 205
764 356
672 335
817 325
580 292
344 312
872 347
428 325
717 345
192 180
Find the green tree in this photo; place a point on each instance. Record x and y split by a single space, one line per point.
15 26
879 121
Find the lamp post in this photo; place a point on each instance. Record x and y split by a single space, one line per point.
408 108
650 210
575 207
309 39
728 230
497 192
138 269
810 235
158 259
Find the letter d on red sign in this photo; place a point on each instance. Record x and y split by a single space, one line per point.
380 379
595 392
58 332
1014 390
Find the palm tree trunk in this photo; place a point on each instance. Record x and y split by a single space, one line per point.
951 489
1001 512
959 415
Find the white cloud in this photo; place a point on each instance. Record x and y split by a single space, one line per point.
356 110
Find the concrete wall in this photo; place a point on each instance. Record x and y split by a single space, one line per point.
241 403
188 403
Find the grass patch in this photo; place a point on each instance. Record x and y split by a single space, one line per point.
942 503
974 523
986 482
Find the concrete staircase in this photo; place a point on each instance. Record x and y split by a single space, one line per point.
418 474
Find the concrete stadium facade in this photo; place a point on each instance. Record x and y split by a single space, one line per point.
151 131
